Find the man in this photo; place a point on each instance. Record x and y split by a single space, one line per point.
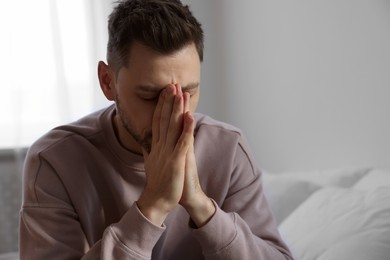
147 178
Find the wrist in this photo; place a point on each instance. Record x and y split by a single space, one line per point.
201 210
154 214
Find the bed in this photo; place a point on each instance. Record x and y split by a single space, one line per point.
334 214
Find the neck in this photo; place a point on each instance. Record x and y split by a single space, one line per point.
124 138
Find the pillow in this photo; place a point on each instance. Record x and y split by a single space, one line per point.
337 223
284 194
356 249
344 178
374 179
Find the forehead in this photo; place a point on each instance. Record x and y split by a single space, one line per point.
148 67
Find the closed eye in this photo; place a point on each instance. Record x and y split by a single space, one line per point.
190 92
153 98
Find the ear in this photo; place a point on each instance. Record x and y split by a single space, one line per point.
106 80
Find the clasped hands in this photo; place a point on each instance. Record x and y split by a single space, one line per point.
170 167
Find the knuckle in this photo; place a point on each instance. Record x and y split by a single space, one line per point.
182 143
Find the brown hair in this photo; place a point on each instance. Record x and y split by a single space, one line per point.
163 25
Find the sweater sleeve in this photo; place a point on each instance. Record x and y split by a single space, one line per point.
243 227
50 228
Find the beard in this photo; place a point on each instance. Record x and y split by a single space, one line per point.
144 140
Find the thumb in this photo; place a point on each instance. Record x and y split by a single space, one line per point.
189 121
145 153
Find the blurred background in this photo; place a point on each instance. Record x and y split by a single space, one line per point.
308 82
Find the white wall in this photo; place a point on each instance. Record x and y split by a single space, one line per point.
307 81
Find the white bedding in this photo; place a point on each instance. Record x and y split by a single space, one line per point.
345 215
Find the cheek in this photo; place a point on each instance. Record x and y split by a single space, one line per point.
145 112
141 114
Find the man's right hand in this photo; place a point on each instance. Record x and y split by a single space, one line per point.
165 164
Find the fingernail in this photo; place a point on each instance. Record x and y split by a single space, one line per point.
189 117
170 90
178 87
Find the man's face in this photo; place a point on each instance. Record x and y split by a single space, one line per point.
137 90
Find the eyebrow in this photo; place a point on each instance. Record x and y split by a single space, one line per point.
156 89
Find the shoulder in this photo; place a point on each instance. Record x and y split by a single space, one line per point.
216 138
83 129
61 148
210 126
223 154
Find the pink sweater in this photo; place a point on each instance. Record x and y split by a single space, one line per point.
80 188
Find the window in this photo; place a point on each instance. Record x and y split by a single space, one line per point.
49 52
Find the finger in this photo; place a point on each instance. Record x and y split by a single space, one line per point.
186 138
175 124
189 123
191 170
166 112
179 90
156 118
145 153
190 167
186 102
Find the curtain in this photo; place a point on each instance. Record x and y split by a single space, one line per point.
49 52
